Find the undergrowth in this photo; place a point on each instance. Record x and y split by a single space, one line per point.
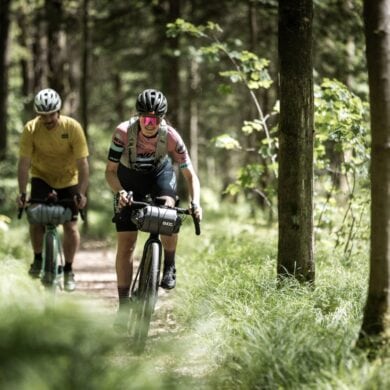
232 325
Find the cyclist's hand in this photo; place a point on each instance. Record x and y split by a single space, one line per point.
80 200
196 211
124 198
21 200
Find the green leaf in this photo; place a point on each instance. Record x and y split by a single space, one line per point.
227 142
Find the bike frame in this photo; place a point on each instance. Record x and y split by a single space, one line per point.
52 248
52 251
144 289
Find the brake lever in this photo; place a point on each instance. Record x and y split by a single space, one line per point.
195 219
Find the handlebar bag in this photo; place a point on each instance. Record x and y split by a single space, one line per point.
48 214
157 220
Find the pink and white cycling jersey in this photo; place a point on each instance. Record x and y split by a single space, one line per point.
146 147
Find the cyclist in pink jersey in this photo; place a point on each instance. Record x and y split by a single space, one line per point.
139 160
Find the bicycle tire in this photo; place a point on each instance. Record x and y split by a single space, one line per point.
49 275
146 296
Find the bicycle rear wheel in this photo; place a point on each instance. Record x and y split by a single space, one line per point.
50 255
146 296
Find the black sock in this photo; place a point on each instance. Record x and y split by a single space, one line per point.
68 267
169 259
38 258
123 295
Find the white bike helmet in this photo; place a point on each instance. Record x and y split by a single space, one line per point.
47 101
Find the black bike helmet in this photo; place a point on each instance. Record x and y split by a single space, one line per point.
151 100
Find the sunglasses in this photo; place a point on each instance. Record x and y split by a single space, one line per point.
150 120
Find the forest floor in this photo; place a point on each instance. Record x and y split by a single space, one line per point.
95 276
94 269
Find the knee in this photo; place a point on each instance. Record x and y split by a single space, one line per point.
126 249
71 229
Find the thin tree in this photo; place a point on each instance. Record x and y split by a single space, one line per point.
4 31
295 189
84 83
55 47
376 320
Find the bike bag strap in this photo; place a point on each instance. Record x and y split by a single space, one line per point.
48 214
157 220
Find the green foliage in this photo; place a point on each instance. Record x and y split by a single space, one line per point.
258 334
13 238
341 118
248 177
182 26
225 141
341 124
228 325
249 68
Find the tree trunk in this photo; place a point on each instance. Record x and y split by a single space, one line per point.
84 69
84 86
170 65
4 31
295 192
25 63
39 50
376 320
56 44
194 114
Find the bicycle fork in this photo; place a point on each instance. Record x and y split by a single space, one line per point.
51 251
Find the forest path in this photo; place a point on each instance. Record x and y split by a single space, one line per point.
95 276
96 283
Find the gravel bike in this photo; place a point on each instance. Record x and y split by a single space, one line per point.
155 219
50 212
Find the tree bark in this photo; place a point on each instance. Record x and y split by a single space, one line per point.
39 52
56 44
85 69
84 87
194 114
170 65
376 320
4 32
295 191
25 63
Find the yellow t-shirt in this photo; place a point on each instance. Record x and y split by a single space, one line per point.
54 152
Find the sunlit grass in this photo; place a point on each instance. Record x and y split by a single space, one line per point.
229 324
266 336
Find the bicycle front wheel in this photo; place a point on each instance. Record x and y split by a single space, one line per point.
49 276
146 295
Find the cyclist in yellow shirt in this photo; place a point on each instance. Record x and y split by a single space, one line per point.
53 148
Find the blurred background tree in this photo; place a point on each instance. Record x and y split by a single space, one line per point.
101 54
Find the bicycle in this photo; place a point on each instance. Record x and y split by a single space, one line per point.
50 212
155 219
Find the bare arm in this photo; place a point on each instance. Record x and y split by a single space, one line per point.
83 171
193 186
112 177
114 183
23 175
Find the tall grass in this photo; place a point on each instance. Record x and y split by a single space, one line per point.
228 325
258 335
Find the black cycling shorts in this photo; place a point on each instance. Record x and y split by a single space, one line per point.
159 182
40 190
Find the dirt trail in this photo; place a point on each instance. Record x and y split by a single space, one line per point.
95 275
96 280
